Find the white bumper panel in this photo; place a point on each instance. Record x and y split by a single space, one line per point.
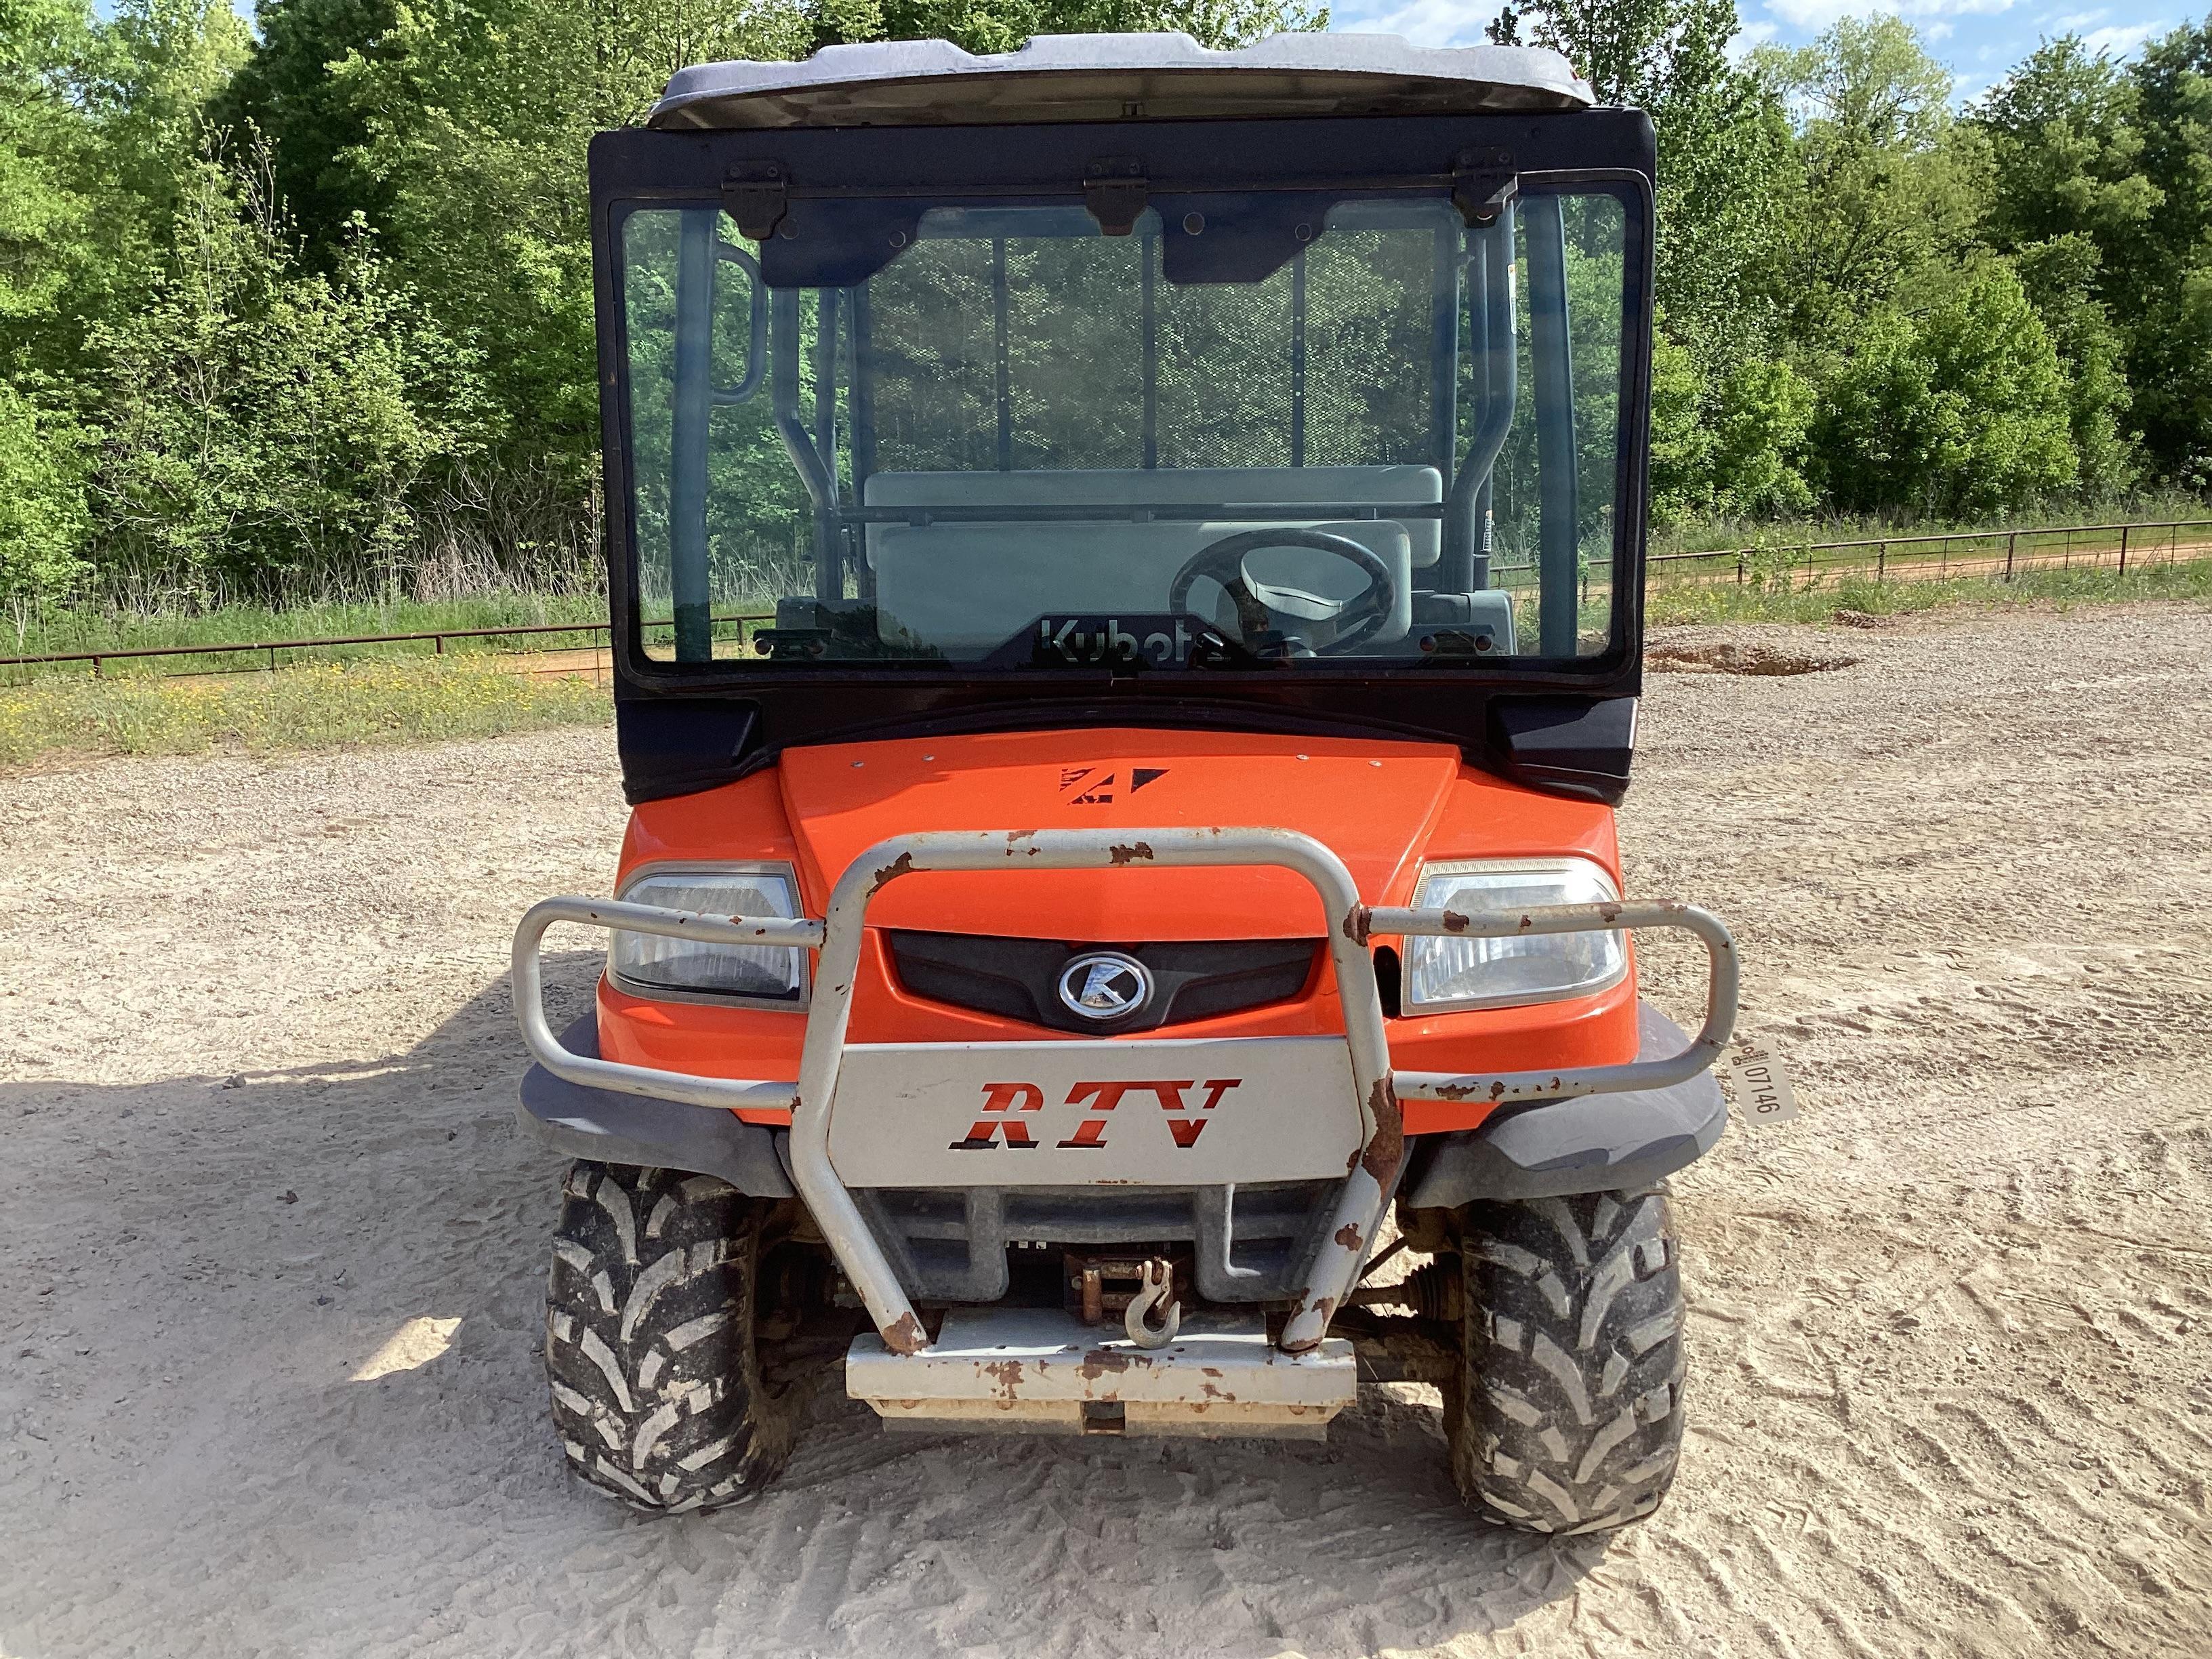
1171 1113
1036 1369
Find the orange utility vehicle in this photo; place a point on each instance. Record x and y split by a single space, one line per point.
1164 836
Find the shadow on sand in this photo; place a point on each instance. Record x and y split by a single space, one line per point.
200 1268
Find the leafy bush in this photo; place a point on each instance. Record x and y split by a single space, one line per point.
320 706
267 423
1960 411
42 516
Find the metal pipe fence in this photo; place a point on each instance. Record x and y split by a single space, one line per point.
2000 554
437 639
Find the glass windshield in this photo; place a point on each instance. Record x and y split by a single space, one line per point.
1019 443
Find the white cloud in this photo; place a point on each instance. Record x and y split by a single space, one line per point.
2120 41
1750 38
2074 22
1938 31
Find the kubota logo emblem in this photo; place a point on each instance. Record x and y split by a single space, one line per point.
1105 985
1003 1103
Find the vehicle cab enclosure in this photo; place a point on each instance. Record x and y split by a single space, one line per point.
1118 551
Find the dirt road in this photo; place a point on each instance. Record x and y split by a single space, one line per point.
1951 1382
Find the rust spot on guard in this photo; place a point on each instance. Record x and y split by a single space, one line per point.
1007 1374
1348 1236
901 865
905 1336
1454 922
1130 853
1386 1147
1099 1362
1358 923
1327 1309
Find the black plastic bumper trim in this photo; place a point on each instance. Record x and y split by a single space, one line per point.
608 1127
1593 1143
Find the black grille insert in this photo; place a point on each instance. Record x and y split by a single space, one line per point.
1019 978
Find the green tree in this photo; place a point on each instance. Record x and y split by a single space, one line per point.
44 217
1959 412
1721 142
2164 275
2060 276
2066 150
42 515
1732 443
1885 193
313 120
264 425
1002 25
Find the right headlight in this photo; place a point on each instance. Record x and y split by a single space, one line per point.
1458 972
654 965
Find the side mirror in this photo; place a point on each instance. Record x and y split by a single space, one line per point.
740 342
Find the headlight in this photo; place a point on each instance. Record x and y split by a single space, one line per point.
1496 973
652 962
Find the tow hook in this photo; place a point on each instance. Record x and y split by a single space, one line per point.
1156 1285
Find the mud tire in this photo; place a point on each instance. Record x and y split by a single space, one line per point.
649 1345
1569 1413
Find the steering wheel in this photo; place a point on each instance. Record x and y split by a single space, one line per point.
1263 608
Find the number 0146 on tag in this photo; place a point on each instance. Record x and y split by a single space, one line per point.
1761 1087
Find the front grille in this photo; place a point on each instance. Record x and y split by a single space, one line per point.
1019 978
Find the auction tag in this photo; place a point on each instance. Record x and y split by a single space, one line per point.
1762 1088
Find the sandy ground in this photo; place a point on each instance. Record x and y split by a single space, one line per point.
1951 1383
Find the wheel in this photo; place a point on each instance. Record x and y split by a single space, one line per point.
1569 1411
649 1340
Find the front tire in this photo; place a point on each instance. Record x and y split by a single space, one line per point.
649 1339
1569 1414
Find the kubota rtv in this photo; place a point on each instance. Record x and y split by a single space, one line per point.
1127 566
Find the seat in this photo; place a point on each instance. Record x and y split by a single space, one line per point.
965 587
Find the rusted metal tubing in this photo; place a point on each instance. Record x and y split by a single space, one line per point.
1722 983
1359 1203
727 1093
1375 1163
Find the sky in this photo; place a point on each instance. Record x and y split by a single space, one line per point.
1980 40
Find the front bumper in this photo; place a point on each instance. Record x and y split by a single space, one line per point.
1373 1128
1038 1369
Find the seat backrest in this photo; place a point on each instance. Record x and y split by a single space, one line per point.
1380 486
965 585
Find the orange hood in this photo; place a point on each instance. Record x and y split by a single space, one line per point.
1374 804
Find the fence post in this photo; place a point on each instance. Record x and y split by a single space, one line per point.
272 659
438 646
2011 541
1739 570
96 668
2124 550
1881 561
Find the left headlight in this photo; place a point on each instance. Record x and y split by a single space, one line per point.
1443 973
653 965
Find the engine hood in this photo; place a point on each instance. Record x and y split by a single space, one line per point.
1374 804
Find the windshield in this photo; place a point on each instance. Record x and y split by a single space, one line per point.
1022 442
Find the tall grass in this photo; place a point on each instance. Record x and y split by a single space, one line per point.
110 627
1782 601
316 706
1707 535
